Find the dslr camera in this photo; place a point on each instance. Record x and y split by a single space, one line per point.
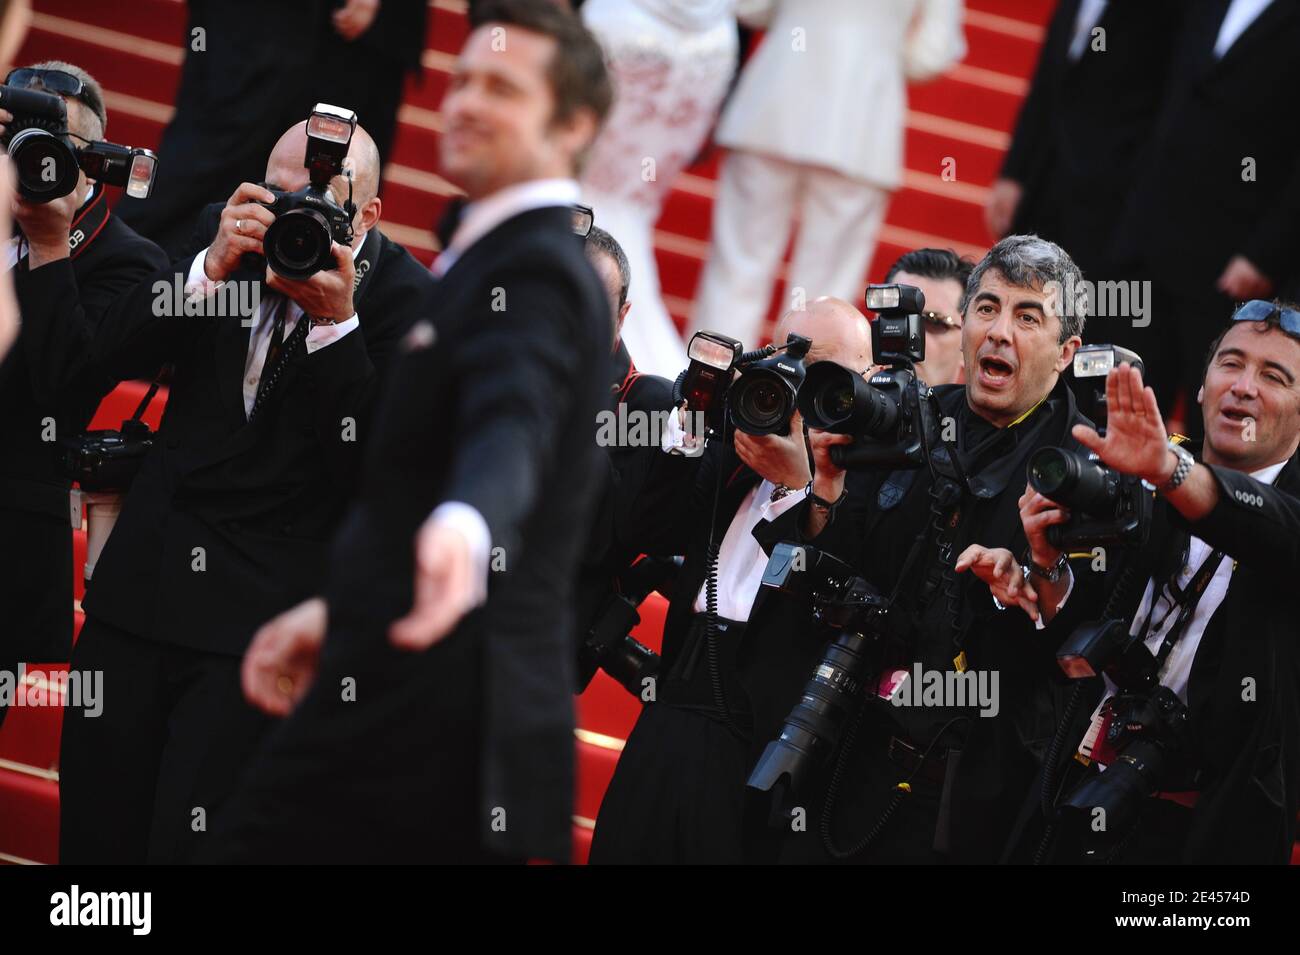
1143 739
297 244
892 417
758 389
849 663
609 644
1106 507
47 161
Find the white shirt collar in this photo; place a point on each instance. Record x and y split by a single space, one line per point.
483 215
1269 474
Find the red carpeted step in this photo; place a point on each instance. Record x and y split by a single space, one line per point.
581 842
78 564
29 816
30 733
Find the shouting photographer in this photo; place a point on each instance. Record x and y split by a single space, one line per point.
1199 724
939 733
228 520
71 259
678 792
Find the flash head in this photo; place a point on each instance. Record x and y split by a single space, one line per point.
895 299
329 133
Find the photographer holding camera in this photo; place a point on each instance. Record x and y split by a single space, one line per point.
228 520
1200 719
677 794
70 261
919 775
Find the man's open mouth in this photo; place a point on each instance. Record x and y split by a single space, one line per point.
996 369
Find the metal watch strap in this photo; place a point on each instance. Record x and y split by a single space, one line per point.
1184 467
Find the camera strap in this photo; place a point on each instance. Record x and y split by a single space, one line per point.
89 222
1184 600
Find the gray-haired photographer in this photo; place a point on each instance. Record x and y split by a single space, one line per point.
906 727
1191 754
70 260
234 500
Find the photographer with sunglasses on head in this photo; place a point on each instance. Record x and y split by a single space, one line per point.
70 259
1192 753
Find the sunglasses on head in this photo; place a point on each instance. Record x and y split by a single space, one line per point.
52 81
1258 310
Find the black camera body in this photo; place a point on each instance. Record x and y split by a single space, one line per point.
892 417
1146 727
609 644
47 161
759 400
763 397
298 244
107 460
1107 508
848 664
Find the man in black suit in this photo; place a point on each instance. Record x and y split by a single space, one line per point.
70 261
1089 112
440 726
1213 214
678 792
228 520
1214 604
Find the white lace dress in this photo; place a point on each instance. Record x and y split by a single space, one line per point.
671 61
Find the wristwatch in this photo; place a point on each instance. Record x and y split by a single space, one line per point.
1184 467
1050 574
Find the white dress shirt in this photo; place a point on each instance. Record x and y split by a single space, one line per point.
1241 14
476 220
1177 669
741 561
264 323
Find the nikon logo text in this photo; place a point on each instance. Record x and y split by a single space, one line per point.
103 908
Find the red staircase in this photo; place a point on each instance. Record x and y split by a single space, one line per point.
960 124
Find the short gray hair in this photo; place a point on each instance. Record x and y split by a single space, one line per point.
598 240
92 95
1033 262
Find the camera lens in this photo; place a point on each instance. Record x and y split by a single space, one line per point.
762 402
297 244
45 165
1073 479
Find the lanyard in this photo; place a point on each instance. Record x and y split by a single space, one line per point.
1186 600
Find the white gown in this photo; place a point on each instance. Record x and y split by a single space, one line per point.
671 61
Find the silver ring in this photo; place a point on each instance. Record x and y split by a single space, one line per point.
239 226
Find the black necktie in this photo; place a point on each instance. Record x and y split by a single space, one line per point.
278 354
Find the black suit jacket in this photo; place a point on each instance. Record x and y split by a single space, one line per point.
1084 123
49 389
261 499
492 405
1244 690
1190 209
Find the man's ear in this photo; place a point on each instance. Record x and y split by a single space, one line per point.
370 213
622 314
577 133
1200 395
1068 348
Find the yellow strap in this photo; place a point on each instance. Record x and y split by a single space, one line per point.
1028 413
959 662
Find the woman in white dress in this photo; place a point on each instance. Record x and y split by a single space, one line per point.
671 61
